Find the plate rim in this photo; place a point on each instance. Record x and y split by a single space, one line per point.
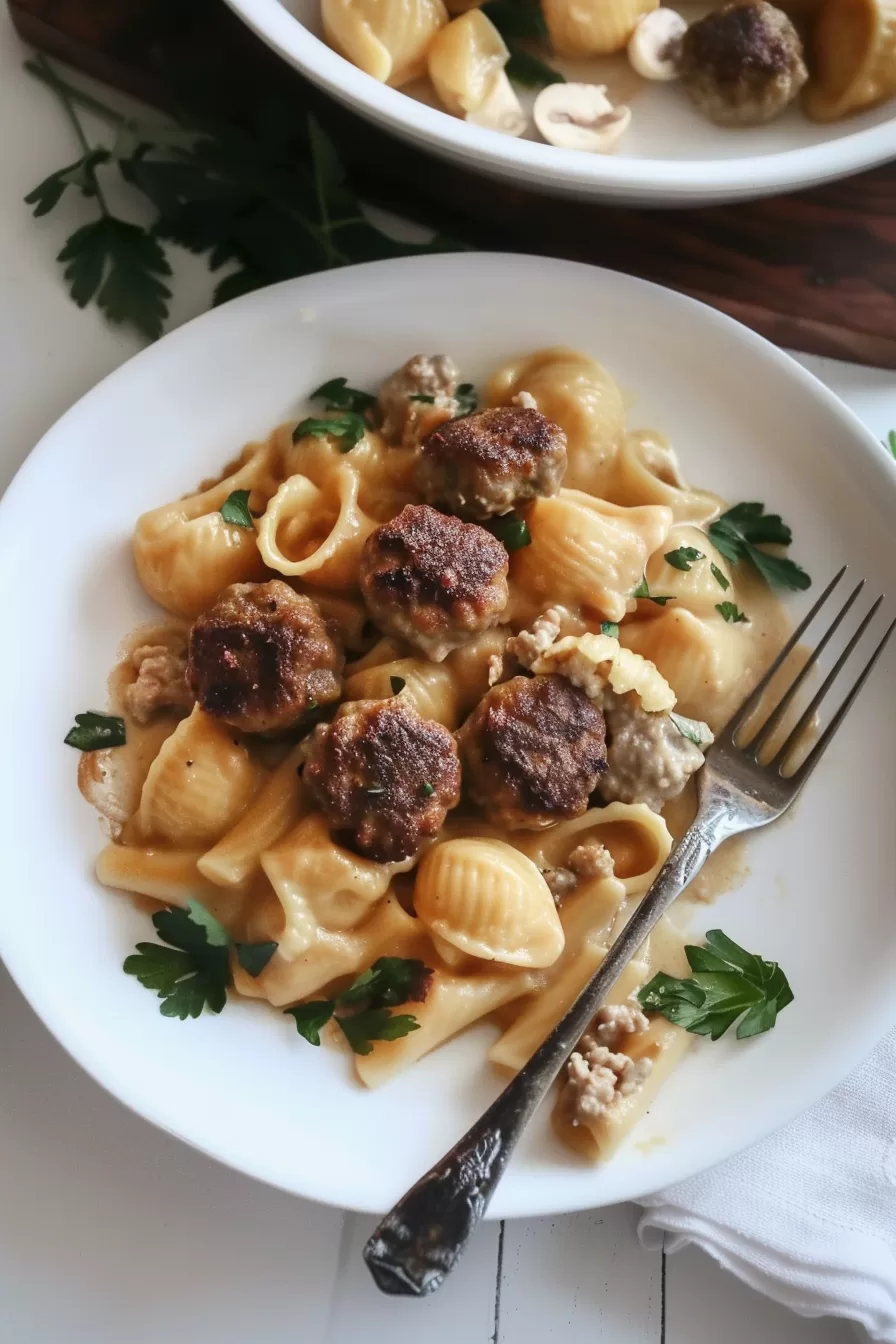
88 1053
752 176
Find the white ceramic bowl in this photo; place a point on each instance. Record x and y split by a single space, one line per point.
670 156
243 1086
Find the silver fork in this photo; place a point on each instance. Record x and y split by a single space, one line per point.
418 1243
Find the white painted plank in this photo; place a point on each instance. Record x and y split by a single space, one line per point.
582 1279
111 1230
461 1312
706 1304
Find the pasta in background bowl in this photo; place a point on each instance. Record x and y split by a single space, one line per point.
242 1085
669 153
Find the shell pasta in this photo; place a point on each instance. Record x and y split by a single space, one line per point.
402 753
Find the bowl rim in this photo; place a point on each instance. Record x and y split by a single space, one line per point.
447 136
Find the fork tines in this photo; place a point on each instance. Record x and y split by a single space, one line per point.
753 747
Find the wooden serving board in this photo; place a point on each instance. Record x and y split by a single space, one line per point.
815 270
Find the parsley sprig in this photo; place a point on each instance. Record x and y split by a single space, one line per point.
338 396
728 983
347 429
511 530
740 532
731 612
193 971
389 982
683 557
269 202
890 441
235 509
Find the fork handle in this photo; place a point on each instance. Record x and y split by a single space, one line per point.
418 1243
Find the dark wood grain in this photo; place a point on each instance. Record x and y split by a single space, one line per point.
815 270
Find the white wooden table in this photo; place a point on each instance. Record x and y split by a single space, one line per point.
110 1231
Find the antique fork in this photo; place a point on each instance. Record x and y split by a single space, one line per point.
418 1243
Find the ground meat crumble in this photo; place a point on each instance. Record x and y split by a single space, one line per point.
597 1075
161 683
650 759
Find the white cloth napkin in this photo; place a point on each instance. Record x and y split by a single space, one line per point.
808 1216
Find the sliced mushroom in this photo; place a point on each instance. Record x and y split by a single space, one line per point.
654 48
502 110
580 116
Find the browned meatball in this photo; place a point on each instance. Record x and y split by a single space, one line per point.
263 656
533 750
743 64
487 463
433 580
384 777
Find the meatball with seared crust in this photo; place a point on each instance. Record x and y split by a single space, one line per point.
263 656
742 64
489 462
433 580
384 777
533 750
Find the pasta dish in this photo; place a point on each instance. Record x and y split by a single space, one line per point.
421 719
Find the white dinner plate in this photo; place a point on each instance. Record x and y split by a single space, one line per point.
747 422
671 154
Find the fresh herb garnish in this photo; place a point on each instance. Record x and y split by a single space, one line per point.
427 790
890 441
729 611
610 628
390 981
511 530
728 983
338 396
253 957
516 20
683 557
465 399
193 971
269 201
529 70
93 731
398 684
738 535
346 429
689 728
642 590
719 577
235 509
422 396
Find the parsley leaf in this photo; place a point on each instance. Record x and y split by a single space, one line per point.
375 1024
529 70
193 971
338 396
47 194
738 534
93 731
516 20
347 429
511 530
465 399
719 577
692 729
728 983
422 396
235 509
889 442
310 1018
427 789
390 981
642 590
610 628
253 957
729 611
683 557
119 265
398 684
